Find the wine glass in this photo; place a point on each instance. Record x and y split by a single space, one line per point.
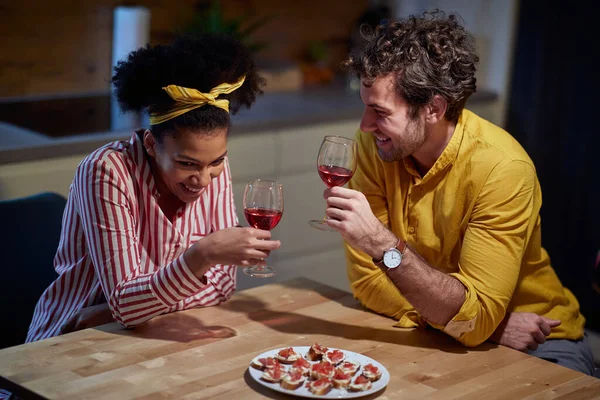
336 164
263 208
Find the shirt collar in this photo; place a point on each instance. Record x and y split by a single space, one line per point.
448 155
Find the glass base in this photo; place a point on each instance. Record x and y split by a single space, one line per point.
320 224
259 271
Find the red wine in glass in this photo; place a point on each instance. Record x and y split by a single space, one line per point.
263 209
262 218
336 164
334 176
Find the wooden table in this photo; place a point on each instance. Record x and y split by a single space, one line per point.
204 353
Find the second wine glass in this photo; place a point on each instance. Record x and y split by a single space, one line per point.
263 209
336 164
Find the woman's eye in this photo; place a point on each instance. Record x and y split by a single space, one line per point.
185 164
218 162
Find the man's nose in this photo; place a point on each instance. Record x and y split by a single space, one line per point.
367 123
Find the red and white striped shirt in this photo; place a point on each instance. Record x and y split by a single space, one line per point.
117 246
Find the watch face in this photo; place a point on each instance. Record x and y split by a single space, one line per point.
392 258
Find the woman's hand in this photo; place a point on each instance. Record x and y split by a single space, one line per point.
88 318
233 246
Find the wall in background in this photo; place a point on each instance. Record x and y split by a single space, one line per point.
64 46
493 23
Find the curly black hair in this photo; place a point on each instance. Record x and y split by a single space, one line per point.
430 54
200 62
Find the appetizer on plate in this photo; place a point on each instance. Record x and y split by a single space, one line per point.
287 355
273 375
316 351
266 363
360 384
371 372
293 379
320 370
349 367
340 379
303 365
334 372
321 386
334 356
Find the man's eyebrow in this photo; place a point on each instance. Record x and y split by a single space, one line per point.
375 105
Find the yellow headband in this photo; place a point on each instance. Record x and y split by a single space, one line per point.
190 99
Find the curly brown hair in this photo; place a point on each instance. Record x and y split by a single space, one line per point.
193 61
430 54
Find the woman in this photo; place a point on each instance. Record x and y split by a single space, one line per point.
130 246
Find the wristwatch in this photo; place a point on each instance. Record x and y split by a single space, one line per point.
392 258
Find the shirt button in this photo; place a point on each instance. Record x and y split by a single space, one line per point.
411 229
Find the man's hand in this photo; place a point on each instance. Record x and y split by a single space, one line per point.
87 318
523 331
350 214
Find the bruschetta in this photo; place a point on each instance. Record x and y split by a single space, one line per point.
273 375
349 366
287 355
371 372
303 365
321 386
293 379
340 379
334 356
316 351
320 370
265 363
360 384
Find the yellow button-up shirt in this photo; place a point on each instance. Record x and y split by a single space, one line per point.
474 216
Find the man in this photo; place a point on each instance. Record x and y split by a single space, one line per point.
441 219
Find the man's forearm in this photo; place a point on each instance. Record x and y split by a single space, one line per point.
437 296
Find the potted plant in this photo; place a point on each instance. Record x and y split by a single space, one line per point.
315 66
209 18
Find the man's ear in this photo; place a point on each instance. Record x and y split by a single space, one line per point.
436 109
150 143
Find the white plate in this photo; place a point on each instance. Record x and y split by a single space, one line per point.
302 391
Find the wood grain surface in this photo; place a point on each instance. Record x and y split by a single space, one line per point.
205 353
